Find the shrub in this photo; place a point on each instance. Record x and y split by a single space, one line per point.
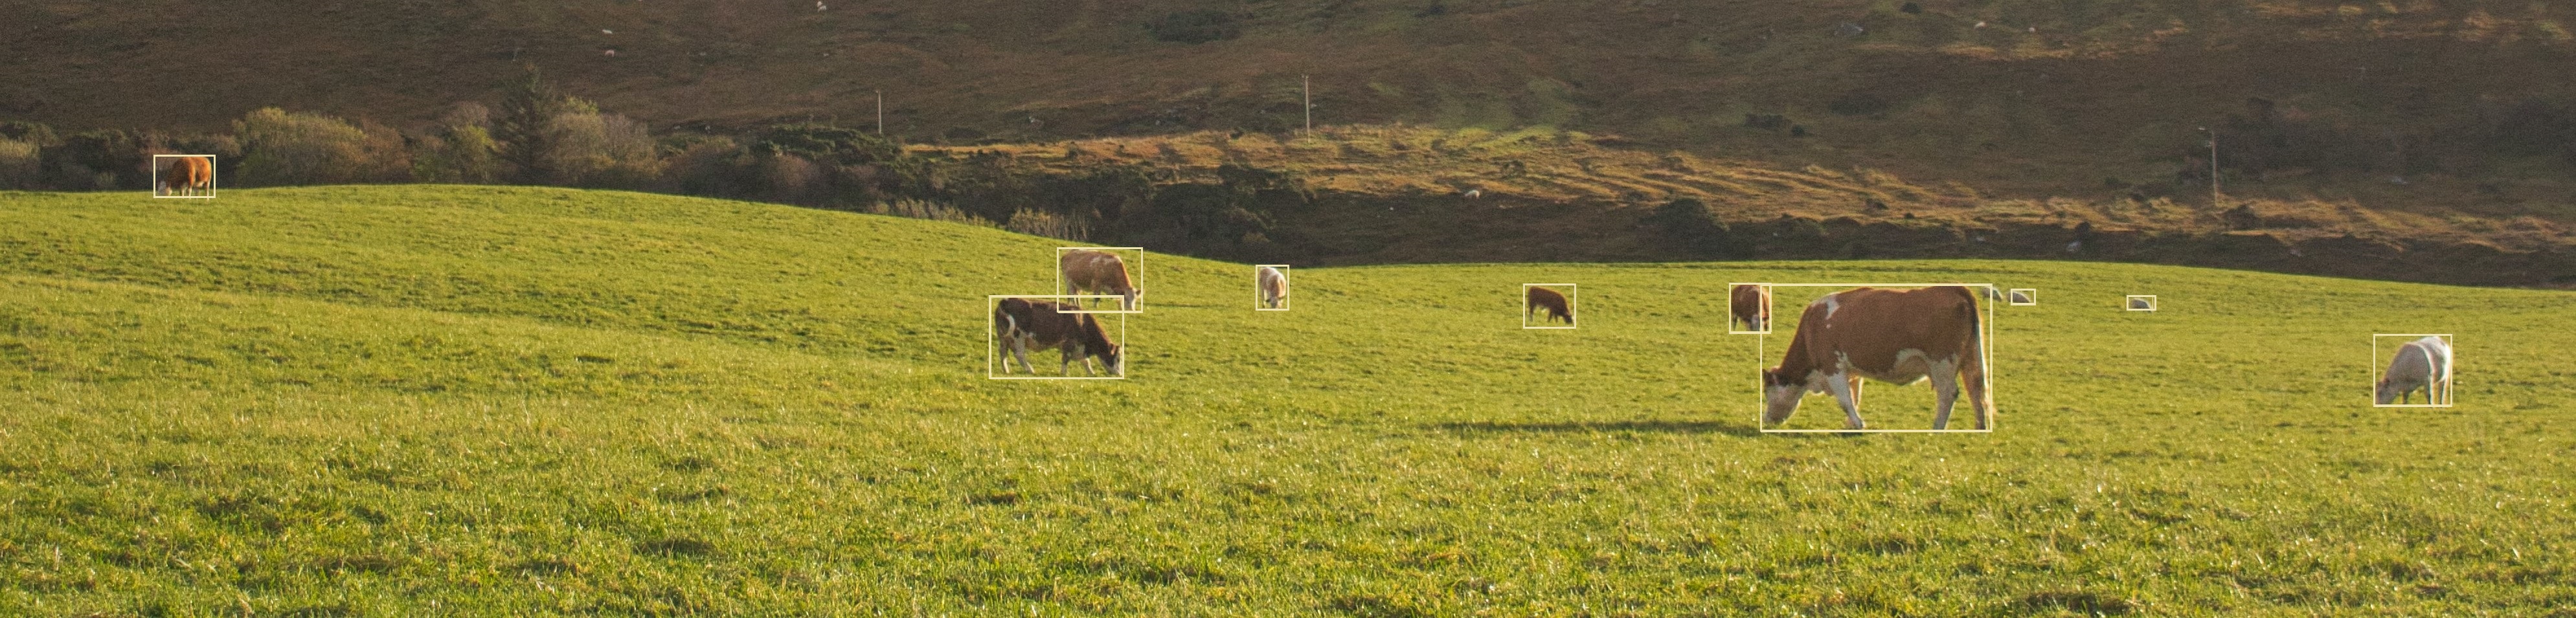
293 148
586 148
791 179
457 154
713 166
30 132
19 165
923 209
1048 224
92 159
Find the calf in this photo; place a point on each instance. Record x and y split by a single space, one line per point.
1086 270
1750 304
1549 300
1020 323
1899 337
1273 286
2423 364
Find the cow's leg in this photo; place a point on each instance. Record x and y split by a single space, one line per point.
1020 349
1840 386
1945 393
1855 390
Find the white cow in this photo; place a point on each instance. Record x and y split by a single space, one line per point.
2423 364
1273 285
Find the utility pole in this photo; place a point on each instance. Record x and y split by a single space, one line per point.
880 113
2213 165
1309 89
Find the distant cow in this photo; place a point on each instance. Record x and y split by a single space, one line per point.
187 174
2021 297
1098 271
2422 364
1019 324
1549 300
2141 304
1273 286
1899 337
1750 304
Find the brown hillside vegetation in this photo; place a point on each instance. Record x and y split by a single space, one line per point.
2015 97
1402 194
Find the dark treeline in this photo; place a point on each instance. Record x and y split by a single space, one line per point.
538 136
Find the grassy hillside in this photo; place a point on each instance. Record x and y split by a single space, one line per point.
406 400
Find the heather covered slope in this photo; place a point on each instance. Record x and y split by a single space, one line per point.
2020 97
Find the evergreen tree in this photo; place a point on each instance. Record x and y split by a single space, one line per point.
525 127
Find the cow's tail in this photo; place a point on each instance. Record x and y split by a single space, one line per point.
1972 368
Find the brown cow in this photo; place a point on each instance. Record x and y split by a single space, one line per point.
1751 304
1097 271
187 173
1550 300
1020 323
1899 337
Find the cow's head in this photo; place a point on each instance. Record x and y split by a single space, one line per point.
1115 359
2388 392
1134 296
1780 395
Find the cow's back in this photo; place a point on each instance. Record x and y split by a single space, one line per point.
1095 270
1871 326
1552 301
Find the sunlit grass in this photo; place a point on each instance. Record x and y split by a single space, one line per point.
422 400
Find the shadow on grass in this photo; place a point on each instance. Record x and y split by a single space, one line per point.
1728 428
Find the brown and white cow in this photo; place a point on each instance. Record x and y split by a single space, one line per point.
1750 304
1551 302
1020 323
187 174
1272 285
1086 270
1899 337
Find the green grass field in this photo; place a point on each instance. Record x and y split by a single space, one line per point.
384 401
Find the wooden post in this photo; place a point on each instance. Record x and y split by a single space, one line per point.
880 113
1309 83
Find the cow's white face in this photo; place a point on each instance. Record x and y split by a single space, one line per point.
1780 395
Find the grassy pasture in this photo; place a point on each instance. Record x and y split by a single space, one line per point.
478 400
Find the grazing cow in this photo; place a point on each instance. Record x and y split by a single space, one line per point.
2422 364
1750 304
1899 337
187 174
2141 304
1098 271
1550 300
1020 323
1273 286
2021 297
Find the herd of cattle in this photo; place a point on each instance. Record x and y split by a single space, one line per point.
1022 323
1898 336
